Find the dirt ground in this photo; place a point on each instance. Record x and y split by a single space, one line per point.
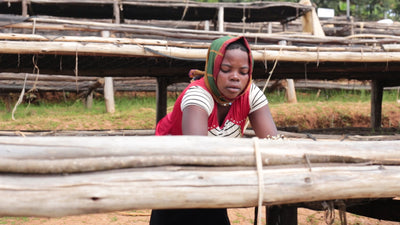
240 216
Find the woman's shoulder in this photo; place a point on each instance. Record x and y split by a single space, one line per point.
200 96
257 99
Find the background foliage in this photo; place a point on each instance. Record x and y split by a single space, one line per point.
361 10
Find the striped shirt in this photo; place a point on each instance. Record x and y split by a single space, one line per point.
196 95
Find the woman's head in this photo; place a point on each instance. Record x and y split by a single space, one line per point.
229 68
233 75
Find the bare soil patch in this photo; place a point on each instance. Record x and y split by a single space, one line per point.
239 216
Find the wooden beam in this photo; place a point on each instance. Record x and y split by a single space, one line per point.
376 104
161 95
281 215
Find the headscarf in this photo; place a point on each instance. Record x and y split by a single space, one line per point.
215 55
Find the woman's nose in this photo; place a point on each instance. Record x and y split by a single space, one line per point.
235 75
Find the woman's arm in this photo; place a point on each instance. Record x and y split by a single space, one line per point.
262 122
194 121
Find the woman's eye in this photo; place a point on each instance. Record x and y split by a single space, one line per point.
244 72
225 70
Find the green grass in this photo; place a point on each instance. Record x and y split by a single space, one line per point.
138 112
278 97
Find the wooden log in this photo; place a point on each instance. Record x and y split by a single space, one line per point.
173 186
31 154
71 48
182 187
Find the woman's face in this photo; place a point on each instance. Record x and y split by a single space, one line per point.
234 73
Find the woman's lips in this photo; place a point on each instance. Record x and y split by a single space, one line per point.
233 89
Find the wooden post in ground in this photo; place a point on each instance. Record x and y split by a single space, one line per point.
161 95
221 19
376 104
311 22
89 100
284 215
109 94
289 86
92 88
108 85
290 91
269 27
24 8
207 25
117 16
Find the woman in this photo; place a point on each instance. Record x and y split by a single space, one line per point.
217 104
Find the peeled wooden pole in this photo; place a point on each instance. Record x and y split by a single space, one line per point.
291 91
187 185
182 187
109 94
108 49
24 8
289 85
84 154
117 17
221 19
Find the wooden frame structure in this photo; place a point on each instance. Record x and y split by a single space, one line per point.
39 43
167 53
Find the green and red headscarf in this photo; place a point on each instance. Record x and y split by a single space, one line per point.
216 53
